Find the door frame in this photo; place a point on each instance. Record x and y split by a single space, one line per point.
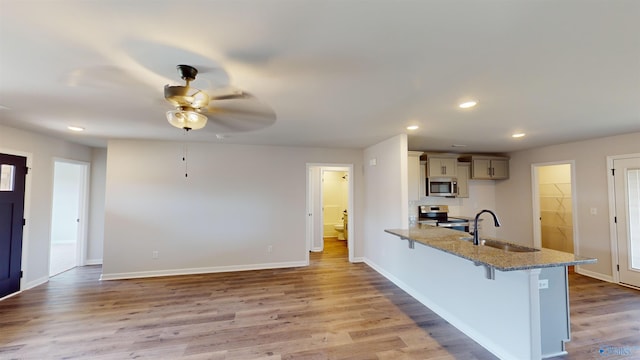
537 231
83 208
26 216
613 232
314 201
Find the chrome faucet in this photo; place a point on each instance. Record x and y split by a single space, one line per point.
496 222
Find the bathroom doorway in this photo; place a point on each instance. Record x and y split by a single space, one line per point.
554 206
68 216
329 205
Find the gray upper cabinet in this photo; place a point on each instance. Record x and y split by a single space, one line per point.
489 168
464 172
441 166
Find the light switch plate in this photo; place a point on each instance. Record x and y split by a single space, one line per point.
543 283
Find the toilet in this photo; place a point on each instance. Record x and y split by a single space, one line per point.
340 229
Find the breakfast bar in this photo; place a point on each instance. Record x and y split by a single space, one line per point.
511 299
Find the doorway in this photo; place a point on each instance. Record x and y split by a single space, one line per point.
624 201
13 170
68 224
554 206
329 205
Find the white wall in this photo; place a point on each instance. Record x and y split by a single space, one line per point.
40 150
514 198
386 196
236 202
95 240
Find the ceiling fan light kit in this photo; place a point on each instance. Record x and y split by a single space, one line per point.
186 119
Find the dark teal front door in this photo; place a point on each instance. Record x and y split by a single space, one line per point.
13 170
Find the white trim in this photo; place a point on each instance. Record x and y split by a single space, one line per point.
446 315
559 353
83 208
613 234
36 282
24 264
317 249
93 262
350 206
11 295
205 270
535 200
358 260
593 274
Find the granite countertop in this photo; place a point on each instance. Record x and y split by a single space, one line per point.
449 241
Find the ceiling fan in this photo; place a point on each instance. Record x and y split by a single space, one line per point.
235 110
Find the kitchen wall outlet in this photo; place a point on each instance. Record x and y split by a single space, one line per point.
154 254
270 248
594 211
543 283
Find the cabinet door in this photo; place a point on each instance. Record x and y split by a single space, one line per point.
442 167
481 169
500 169
464 172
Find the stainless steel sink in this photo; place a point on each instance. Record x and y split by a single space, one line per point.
501 245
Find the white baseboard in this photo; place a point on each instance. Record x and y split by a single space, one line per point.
36 282
207 270
358 259
595 275
93 262
317 249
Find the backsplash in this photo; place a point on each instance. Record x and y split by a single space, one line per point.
482 195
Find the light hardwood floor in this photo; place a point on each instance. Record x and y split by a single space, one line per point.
329 310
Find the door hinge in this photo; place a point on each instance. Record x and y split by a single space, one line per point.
615 219
24 221
613 172
21 274
26 170
618 267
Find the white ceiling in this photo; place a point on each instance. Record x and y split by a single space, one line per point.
336 73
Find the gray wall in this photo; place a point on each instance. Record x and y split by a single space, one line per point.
41 151
514 196
236 202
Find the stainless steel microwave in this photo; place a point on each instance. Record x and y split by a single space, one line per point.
442 187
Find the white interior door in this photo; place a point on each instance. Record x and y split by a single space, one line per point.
68 216
627 213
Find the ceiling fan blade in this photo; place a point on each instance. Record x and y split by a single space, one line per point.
239 115
105 77
241 95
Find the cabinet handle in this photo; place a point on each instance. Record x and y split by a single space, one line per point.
489 171
443 170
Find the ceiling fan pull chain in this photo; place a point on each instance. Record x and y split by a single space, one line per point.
184 156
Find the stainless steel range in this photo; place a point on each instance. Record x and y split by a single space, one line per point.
438 215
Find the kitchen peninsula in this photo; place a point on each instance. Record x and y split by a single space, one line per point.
512 300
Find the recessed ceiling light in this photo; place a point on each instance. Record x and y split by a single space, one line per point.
468 104
518 135
75 128
413 127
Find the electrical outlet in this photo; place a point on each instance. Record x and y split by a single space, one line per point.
154 254
269 248
543 283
